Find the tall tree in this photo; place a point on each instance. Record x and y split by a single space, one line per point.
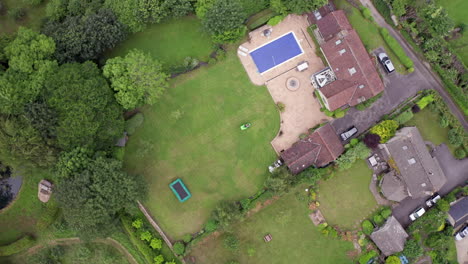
224 20
87 111
92 198
81 38
296 6
137 78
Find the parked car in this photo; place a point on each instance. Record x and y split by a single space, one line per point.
348 133
386 62
433 200
275 165
462 233
417 213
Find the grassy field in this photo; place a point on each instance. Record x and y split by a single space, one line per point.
193 133
368 32
34 16
170 42
26 214
295 238
457 11
428 124
346 199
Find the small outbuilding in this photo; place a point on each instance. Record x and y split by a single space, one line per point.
123 140
458 213
45 190
391 237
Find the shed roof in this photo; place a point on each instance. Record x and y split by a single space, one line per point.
458 213
391 237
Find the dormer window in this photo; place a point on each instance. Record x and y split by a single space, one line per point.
342 51
338 42
361 86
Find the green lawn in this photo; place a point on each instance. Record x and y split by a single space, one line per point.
170 42
368 32
457 11
346 199
428 124
27 214
295 238
193 133
34 16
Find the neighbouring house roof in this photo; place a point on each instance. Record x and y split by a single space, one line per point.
391 237
458 213
357 78
393 187
416 169
319 149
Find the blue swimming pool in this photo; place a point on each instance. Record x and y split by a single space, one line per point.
276 52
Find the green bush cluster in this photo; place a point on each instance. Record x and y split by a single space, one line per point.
275 20
404 117
261 19
338 113
328 230
366 13
367 227
396 48
347 159
366 257
385 129
423 102
17 246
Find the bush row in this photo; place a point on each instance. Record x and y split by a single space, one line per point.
366 104
396 48
17 246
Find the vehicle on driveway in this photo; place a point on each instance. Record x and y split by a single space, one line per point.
462 233
386 62
433 200
417 213
349 133
275 165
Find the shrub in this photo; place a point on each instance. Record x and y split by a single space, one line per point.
396 48
366 13
17 13
275 20
412 249
231 242
364 259
386 213
118 153
460 153
404 117
226 213
187 238
423 102
146 236
156 243
333 233
354 142
393 260
371 140
454 137
303 136
179 248
415 109
443 205
443 121
385 129
367 227
159 259
281 106
140 245
137 223
17 246
378 220
133 123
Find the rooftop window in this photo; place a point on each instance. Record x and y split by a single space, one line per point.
411 161
342 51
361 86
405 147
352 71
338 42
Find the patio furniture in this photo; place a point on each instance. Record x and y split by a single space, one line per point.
243 49
241 53
373 161
303 66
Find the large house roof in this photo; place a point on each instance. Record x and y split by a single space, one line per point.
420 173
391 237
319 148
357 78
458 213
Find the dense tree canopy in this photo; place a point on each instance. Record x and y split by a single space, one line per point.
296 6
85 105
92 198
224 20
81 38
137 78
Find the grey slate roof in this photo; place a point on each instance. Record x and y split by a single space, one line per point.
419 171
391 237
458 213
393 187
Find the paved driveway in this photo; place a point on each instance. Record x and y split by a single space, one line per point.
456 172
462 251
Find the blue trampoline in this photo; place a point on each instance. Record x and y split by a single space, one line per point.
276 52
180 191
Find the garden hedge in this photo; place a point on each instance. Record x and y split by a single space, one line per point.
396 48
423 102
17 246
404 117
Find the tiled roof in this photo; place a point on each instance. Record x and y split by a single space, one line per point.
320 148
391 237
349 61
458 213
